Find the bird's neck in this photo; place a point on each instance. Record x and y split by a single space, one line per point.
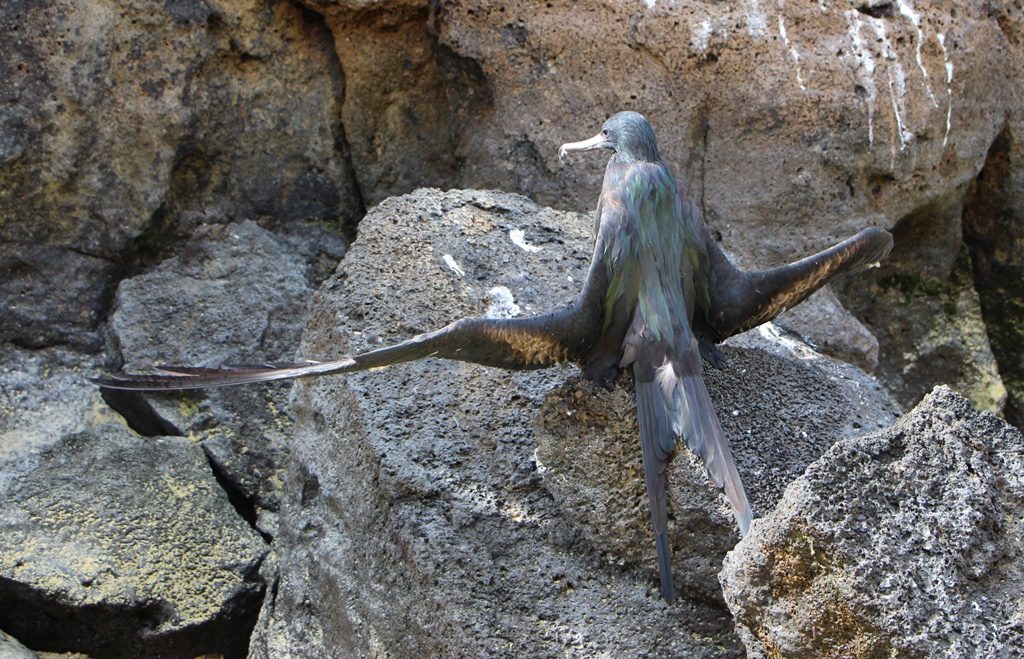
630 158
619 166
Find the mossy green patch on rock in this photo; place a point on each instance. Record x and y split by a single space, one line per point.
930 331
994 231
804 566
131 544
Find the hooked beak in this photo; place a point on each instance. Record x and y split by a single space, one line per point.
596 142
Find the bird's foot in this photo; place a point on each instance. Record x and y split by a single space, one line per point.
603 377
712 354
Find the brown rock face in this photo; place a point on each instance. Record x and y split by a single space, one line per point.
121 121
773 116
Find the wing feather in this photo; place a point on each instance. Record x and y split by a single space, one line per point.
514 343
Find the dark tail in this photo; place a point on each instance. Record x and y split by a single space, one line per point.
706 437
657 441
664 549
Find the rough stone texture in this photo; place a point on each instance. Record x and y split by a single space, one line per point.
234 285
236 294
10 648
906 542
43 396
121 122
749 126
409 99
124 124
122 546
415 518
42 305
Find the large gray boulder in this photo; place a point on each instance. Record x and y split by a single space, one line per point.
446 508
905 542
122 546
236 292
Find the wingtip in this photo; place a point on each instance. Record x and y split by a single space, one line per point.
882 240
105 381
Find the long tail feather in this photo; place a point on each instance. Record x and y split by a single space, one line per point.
664 549
173 378
706 437
655 433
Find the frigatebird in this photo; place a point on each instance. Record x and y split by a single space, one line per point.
659 295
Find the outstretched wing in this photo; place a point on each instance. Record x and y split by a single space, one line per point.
737 301
512 343
730 300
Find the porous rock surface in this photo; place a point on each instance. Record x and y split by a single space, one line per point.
435 507
904 542
822 321
122 546
43 396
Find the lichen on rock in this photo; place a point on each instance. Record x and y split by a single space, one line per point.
130 544
907 541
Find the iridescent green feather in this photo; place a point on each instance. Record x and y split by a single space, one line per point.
650 249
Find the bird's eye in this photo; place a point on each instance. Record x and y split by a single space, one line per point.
605 132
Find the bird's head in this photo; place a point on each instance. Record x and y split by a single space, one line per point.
628 134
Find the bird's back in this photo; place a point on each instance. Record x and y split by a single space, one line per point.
642 245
